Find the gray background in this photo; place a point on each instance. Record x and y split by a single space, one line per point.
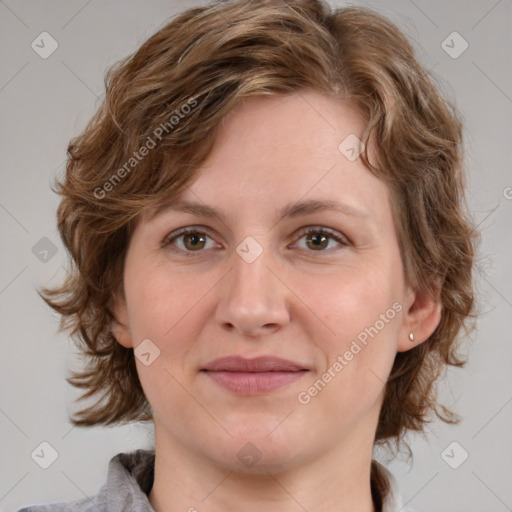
44 102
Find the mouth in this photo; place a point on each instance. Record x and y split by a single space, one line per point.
254 376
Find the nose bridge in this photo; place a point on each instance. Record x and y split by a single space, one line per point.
252 298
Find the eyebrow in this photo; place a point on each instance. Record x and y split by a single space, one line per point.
292 210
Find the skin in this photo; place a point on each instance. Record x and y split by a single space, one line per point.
294 301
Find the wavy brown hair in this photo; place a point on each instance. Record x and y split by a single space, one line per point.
158 122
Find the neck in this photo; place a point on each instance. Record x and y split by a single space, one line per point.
337 480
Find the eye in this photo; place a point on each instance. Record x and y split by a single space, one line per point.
188 240
321 239
193 240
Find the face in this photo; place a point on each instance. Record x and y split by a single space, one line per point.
299 260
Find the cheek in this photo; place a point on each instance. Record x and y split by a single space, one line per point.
350 300
169 308
165 307
357 359
360 306
160 300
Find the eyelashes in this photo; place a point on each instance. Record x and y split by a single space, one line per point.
319 235
195 236
195 241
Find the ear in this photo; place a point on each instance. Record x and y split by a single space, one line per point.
422 316
120 329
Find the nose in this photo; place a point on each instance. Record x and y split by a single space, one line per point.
253 299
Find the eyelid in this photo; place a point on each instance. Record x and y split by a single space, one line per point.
340 238
334 234
167 241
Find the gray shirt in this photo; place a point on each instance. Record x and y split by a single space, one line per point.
130 479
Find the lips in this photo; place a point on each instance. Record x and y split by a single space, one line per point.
256 365
253 376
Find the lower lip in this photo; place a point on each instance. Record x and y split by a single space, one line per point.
254 383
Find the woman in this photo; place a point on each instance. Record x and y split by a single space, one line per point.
272 259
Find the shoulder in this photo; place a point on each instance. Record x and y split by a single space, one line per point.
129 481
82 505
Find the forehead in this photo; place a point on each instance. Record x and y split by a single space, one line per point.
280 148
296 125
273 152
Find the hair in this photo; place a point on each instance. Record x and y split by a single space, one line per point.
157 124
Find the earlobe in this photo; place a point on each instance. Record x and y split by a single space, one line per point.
121 334
420 320
119 325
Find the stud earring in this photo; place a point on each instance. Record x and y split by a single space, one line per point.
411 336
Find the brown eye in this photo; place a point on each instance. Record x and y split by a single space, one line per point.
188 241
317 241
321 240
194 241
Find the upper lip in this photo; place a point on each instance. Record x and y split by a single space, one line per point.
257 364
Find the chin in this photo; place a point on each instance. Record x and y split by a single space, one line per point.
257 454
